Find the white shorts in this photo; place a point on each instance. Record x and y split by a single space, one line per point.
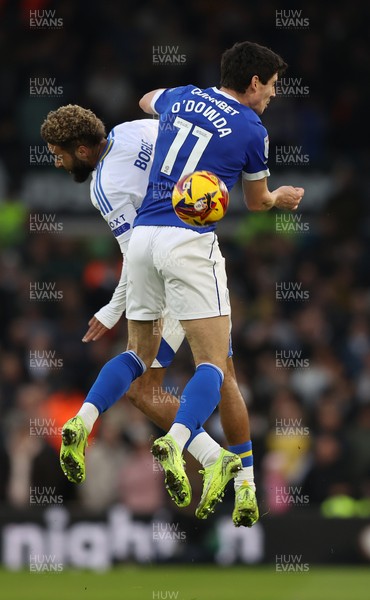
175 268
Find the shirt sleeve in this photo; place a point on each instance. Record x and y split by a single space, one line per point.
257 154
164 99
111 313
155 98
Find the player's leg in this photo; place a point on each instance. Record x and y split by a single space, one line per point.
196 294
208 340
235 423
112 382
117 374
209 345
232 408
148 395
161 407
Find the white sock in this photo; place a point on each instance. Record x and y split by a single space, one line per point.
246 474
88 413
180 434
205 449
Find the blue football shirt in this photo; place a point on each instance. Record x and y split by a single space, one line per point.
200 130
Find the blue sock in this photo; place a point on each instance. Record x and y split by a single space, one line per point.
114 380
245 452
194 435
200 397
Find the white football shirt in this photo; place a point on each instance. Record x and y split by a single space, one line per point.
120 179
117 189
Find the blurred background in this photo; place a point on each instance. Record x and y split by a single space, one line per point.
299 287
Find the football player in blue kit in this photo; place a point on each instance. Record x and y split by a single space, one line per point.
218 130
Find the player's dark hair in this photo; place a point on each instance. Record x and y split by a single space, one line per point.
246 59
71 126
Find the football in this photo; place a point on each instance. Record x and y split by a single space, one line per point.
200 199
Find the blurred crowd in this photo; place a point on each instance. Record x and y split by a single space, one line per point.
105 57
302 357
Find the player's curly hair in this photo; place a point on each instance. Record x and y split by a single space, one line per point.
246 59
71 126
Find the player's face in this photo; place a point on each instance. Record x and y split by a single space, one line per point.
80 169
264 93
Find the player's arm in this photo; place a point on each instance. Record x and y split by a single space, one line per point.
258 197
110 314
146 102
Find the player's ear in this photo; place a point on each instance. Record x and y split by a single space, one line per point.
254 82
82 152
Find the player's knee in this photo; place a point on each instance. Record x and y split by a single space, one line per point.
145 350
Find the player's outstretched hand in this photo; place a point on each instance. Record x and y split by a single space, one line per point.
95 332
288 197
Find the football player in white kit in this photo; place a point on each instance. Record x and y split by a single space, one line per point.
120 166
